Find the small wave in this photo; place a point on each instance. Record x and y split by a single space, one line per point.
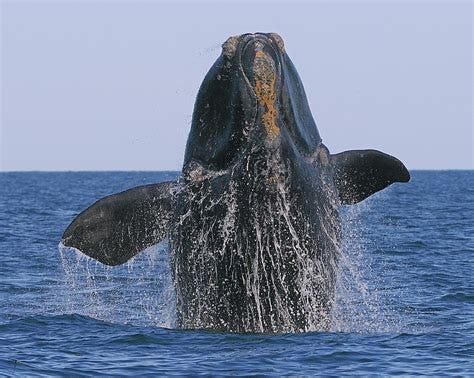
44 320
458 297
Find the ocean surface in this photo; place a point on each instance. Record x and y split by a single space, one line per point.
404 303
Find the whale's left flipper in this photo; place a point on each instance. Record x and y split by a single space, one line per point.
360 173
117 227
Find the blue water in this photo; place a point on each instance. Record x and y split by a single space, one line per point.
405 296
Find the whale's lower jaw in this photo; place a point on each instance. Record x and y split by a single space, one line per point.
250 253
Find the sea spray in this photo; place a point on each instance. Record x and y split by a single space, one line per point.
265 275
254 252
140 292
359 307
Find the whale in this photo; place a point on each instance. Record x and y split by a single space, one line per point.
253 220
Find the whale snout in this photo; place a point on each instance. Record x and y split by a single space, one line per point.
231 46
260 64
259 59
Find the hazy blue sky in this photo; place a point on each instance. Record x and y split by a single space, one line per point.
97 85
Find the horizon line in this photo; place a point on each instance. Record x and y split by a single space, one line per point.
179 171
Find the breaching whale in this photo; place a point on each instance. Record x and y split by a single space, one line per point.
253 221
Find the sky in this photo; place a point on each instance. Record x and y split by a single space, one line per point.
110 85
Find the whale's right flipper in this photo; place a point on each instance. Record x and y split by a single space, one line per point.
361 173
117 227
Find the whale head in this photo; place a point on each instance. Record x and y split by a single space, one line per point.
251 98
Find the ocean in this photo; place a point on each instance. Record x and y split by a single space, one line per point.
404 299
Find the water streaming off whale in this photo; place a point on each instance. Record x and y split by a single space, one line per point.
142 291
276 276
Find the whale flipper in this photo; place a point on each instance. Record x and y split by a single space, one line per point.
361 173
117 227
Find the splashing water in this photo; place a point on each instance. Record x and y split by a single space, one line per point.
358 306
265 266
140 292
